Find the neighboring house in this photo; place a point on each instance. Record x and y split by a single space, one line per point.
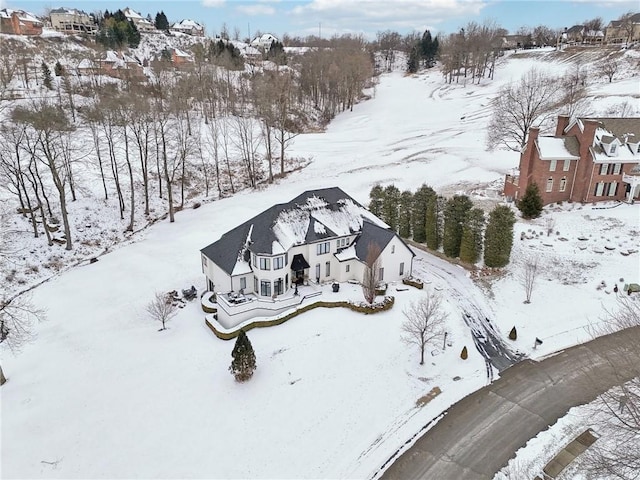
580 34
620 32
263 42
510 42
180 58
87 67
72 21
320 236
588 160
189 27
19 22
141 23
119 65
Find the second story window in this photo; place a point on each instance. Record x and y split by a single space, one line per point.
265 263
323 248
278 263
552 165
603 168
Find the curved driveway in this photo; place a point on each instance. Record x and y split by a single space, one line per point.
480 433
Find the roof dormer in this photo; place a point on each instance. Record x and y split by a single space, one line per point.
610 145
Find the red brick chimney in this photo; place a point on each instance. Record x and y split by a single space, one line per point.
527 154
563 122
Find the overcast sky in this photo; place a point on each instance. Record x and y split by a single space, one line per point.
329 17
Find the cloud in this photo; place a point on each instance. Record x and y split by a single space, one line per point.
256 9
374 15
209 3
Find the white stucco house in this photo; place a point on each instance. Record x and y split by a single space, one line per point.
318 237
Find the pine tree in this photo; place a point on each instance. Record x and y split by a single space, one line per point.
46 75
531 203
419 208
413 62
244 358
471 243
390 203
161 21
498 237
456 211
58 69
405 214
375 200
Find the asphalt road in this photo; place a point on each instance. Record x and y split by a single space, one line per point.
480 433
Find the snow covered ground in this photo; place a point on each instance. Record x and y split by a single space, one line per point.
102 393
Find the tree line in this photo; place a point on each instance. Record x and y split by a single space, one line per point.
453 224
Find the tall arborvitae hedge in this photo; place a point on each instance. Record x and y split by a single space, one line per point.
498 237
405 214
419 210
375 200
390 205
455 215
471 243
244 358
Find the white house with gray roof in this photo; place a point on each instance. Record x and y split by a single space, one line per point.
320 236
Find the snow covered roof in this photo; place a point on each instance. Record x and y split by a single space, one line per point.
132 14
22 15
86 63
313 216
187 24
67 11
181 53
553 148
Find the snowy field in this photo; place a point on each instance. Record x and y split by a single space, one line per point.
101 393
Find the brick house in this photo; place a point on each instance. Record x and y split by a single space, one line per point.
622 31
588 160
19 22
72 21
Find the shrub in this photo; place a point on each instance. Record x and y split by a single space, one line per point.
464 354
513 334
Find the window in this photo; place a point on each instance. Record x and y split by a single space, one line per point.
613 189
563 184
278 263
616 168
278 287
549 184
265 288
401 268
552 165
265 263
204 264
393 249
603 168
243 283
255 284
567 164
381 275
254 262
599 189
347 268
317 272
323 248
612 148
327 270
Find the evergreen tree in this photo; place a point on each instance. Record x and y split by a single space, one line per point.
390 204
428 49
375 200
413 61
244 358
419 212
456 211
471 243
531 203
276 53
58 69
433 222
405 214
498 237
46 75
161 21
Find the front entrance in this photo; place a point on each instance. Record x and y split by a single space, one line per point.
299 265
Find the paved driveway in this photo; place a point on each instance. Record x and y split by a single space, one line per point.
479 434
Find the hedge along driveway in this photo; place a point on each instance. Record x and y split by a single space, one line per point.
383 306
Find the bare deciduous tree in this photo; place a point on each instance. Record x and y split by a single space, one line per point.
608 67
529 270
519 106
161 309
17 316
425 322
371 275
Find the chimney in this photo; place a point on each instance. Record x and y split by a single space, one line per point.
563 122
527 154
